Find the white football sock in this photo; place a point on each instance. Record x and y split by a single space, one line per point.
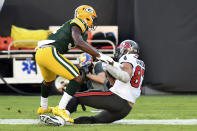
44 103
68 113
64 101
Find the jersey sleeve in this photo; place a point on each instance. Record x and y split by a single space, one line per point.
78 23
128 58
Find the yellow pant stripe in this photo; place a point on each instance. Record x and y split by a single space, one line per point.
52 63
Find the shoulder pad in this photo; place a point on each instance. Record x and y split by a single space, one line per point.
79 23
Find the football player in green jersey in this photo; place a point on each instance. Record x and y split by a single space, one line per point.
52 63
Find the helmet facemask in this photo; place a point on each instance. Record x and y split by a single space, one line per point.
94 23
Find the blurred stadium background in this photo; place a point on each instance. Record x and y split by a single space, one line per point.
166 31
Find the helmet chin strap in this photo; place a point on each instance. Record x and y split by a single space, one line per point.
93 27
86 22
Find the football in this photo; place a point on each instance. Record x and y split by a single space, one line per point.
60 82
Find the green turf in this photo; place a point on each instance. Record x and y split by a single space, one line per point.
99 128
165 107
146 107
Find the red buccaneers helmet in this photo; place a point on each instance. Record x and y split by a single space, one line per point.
127 47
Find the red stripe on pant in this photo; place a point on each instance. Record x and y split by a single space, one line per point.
93 94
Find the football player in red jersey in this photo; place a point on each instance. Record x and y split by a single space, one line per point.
126 77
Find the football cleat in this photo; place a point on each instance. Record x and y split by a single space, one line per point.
63 114
43 111
52 120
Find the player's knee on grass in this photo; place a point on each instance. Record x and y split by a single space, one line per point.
107 116
124 112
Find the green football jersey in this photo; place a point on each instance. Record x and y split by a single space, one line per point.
63 36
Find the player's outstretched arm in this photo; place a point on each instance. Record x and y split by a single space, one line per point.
123 74
84 46
100 77
81 44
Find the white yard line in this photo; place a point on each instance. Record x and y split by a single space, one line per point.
19 121
162 122
131 121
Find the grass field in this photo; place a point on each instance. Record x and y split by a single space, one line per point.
146 107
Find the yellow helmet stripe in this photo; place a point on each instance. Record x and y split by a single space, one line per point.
78 22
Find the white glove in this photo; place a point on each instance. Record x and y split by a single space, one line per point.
105 58
104 65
